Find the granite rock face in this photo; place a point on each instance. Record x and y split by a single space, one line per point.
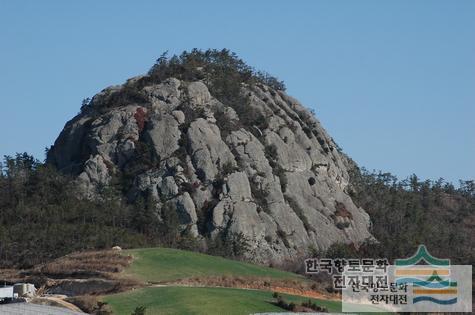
281 183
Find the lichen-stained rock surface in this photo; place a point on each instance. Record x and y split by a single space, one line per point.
272 173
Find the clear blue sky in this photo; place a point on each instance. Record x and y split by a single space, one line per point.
392 81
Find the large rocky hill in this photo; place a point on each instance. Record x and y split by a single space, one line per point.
252 162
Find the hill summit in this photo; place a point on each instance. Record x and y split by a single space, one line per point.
207 139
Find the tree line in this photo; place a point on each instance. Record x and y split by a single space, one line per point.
409 212
43 216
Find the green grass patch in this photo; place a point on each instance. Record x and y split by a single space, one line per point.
206 301
164 264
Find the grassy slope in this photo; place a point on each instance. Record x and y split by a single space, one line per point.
165 264
157 265
206 301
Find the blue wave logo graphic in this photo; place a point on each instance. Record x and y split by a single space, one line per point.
434 300
427 284
424 289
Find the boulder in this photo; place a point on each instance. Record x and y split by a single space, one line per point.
198 93
164 136
209 152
